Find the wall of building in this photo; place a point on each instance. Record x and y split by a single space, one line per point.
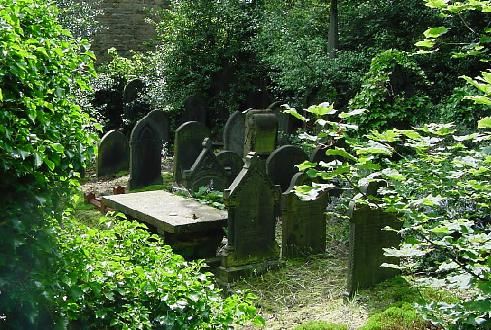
124 27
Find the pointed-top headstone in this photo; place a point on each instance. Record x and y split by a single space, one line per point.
146 143
251 202
206 171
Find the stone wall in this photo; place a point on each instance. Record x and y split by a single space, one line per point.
124 27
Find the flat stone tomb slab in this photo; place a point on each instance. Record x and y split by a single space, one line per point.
168 213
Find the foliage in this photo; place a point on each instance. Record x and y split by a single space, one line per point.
80 17
210 197
391 93
215 62
118 275
320 325
438 184
44 141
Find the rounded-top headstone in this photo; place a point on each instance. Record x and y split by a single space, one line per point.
188 142
280 165
231 162
131 90
234 133
160 122
194 109
114 154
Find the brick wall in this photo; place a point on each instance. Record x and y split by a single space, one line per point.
124 26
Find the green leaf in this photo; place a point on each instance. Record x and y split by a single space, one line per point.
321 109
306 165
435 32
340 152
484 123
355 112
1 95
425 43
58 147
295 114
479 99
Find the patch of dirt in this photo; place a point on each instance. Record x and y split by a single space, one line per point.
103 186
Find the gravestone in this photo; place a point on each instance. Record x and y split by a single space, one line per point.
160 121
206 171
146 142
287 124
234 133
280 165
261 130
232 164
303 221
114 154
251 202
194 110
187 147
132 89
367 241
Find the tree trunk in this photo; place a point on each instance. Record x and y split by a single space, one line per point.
333 37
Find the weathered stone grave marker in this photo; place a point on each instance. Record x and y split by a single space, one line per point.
251 202
192 229
146 142
303 221
367 241
194 110
280 165
114 154
232 163
206 171
261 130
234 133
187 147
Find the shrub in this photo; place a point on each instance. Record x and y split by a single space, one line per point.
321 325
392 93
402 317
44 141
118 275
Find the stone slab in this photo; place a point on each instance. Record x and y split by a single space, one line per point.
167 212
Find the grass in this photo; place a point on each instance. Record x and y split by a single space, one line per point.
309 293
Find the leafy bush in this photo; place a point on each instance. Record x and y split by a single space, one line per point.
44 141
392 93
120 276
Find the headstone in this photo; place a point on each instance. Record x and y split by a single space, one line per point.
303 221
187 147
131 90
261 129
146 142
206 171
251 202
280 165
194 109
114 154
232 163
234 133
160 120
367 241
